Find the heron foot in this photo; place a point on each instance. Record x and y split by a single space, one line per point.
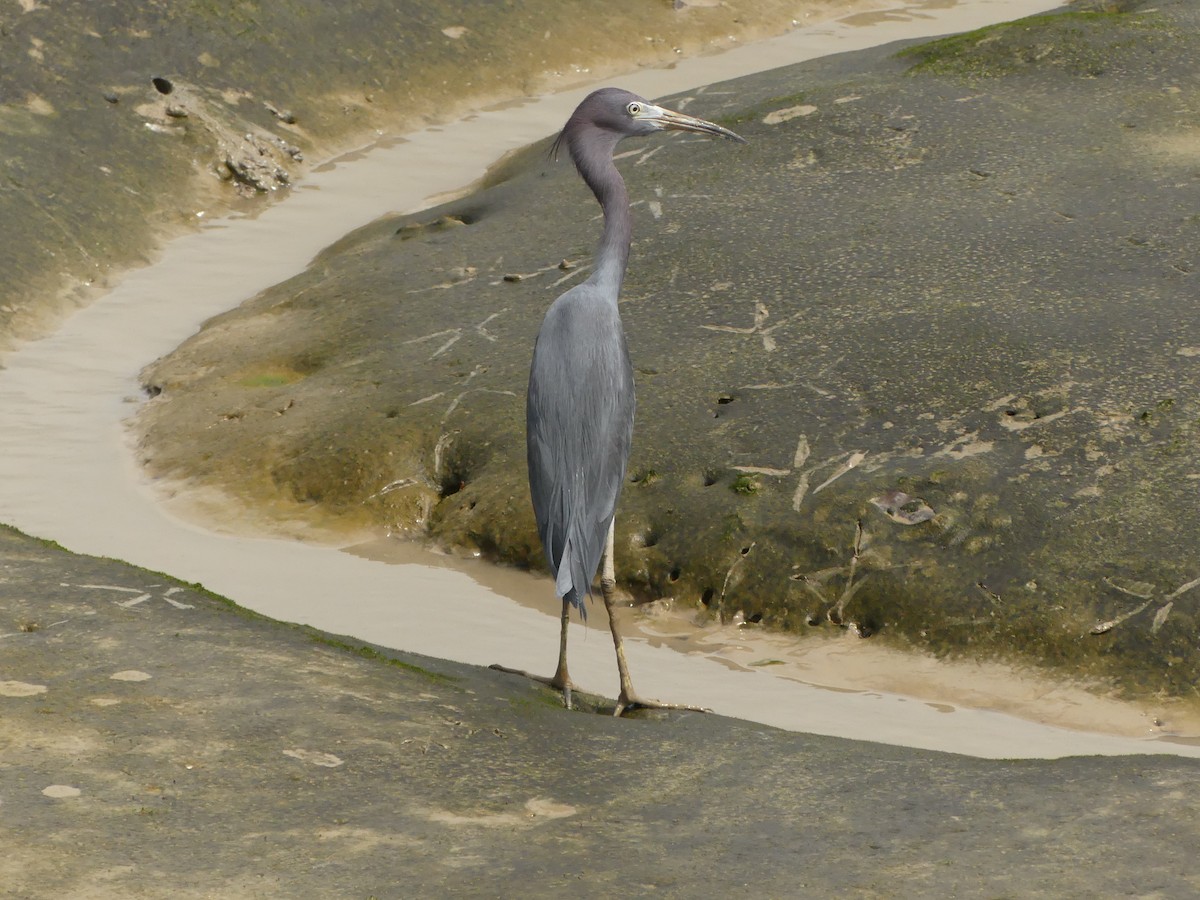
630 701
558 680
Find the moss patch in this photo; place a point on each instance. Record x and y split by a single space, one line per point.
1083 43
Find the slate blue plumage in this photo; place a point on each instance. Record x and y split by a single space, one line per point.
580 406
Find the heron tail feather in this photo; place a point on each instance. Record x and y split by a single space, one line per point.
571 581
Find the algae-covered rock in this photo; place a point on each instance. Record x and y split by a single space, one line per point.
921 359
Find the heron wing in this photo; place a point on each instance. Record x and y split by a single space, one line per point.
579 418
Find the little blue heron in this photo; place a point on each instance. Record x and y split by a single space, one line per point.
579 412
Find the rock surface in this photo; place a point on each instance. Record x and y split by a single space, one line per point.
920 359
168 744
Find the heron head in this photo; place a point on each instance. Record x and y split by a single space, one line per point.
625 114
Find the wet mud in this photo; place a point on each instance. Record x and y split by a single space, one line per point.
916 362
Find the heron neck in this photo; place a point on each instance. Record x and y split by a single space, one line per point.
592 151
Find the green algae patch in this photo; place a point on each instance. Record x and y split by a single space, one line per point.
365 651
1081 43
745 484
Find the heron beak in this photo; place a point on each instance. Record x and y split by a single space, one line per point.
669 120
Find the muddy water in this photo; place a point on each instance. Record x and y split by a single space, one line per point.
70 476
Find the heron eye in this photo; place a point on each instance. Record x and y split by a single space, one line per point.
634 108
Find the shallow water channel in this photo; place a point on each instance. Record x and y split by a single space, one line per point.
70 475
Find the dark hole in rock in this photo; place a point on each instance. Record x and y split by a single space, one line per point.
710 478
745 551
673 575
707 597
452 484
754 618
162 85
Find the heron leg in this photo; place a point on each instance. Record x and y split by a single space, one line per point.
560 680
628 698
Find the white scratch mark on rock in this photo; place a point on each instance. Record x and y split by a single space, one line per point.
761 314
316 757
457 333
1183 588
855 458
801 491
393 486
427 399
783 115
130 675
645 156
440 448
570 275
21 689
800 457
536 809
762 470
